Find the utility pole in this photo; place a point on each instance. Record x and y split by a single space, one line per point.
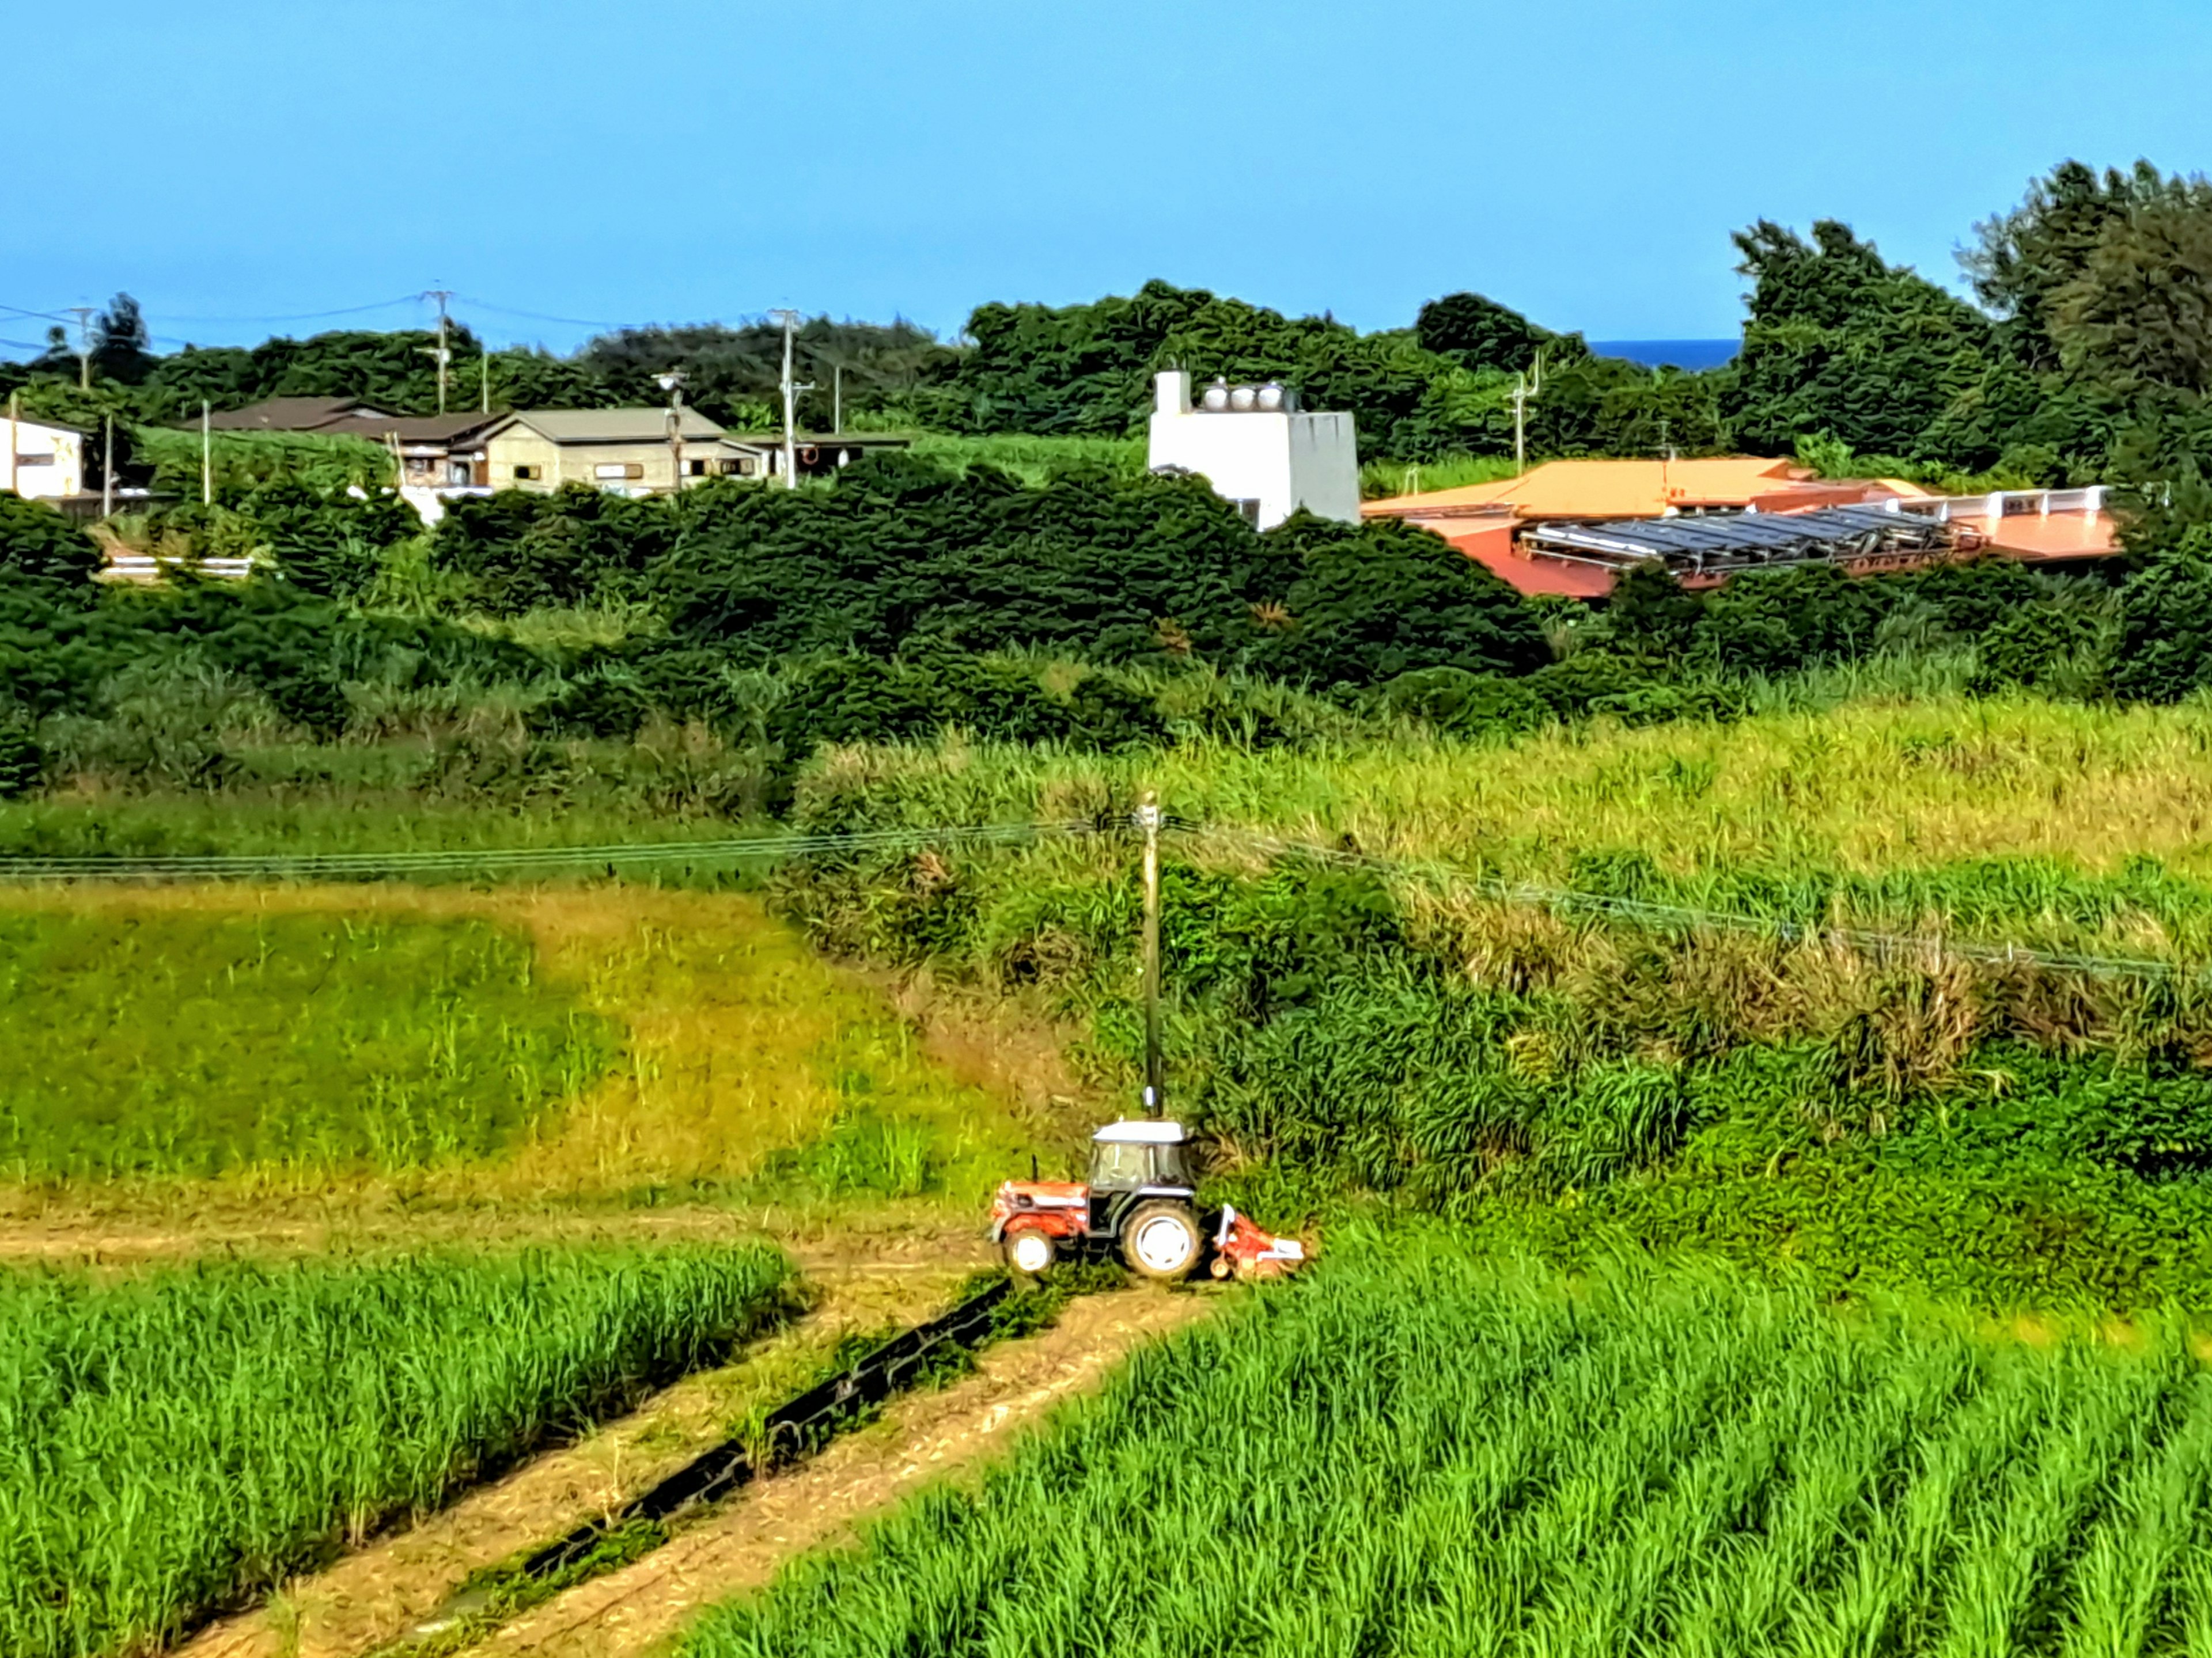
836 400
444 356
83 314
108 470
791 390
1525 389
1148 821
483 382
14 442
672 383
206 454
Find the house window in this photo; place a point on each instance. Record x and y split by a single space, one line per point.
528 473
698 469
34 460
616 470
746 465
1248 510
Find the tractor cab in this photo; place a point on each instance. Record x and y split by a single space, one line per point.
1150 1159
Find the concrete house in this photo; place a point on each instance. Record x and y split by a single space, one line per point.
624 450
41 461
1257 449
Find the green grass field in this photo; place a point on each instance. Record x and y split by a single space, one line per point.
160 1041
1035 460
172 1443
1418 1452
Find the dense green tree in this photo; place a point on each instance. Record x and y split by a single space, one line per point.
734 375
1840 342
1477 332
2022 259
37 543
2165 648
2136 317
1373 600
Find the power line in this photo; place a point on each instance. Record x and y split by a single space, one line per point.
540 316
1688 917
370 865
307 316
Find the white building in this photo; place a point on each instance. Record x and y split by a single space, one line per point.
41 461
1257 449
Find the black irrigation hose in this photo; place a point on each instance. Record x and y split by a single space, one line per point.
790 1431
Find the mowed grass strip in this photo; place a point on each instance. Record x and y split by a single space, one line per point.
1418 1451
178 1442
157 1041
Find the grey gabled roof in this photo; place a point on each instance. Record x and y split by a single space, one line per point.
647 425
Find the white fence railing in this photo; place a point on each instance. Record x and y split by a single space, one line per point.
1997 503
142 566
2009 503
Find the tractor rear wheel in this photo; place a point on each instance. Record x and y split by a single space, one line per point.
1030 1251
1161 1240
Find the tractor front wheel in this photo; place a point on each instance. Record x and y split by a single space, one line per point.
1161 1240
1030 1252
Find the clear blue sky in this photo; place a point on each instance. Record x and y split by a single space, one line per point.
1583 160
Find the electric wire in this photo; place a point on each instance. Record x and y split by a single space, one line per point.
364 866
540 316
1684 917
306 316
615 856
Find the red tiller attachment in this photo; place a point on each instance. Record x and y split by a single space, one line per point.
1242 1249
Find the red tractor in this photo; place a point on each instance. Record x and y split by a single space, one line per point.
1139 1203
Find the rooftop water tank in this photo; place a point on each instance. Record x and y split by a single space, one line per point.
1217 397
1272 396
1242 399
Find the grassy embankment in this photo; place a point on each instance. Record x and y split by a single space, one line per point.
174 1443
1420 1452
2010 1131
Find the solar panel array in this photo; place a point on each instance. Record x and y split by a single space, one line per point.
1735 541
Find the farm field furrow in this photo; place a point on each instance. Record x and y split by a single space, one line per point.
1333 1470
172 1441
377 1595
928 1441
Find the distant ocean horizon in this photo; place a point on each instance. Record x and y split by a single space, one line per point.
1669 354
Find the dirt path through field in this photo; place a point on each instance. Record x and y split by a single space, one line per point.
381 1592
923 1438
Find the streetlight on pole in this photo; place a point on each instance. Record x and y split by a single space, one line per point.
791 390
672 383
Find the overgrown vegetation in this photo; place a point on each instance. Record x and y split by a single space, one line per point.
1420 1028
1416 1451
297 1042
178 1441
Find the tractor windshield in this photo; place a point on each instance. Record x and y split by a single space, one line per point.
1119 1163
1124 1165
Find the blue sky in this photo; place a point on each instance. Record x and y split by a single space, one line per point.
232 164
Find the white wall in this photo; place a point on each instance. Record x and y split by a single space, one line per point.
1283 461
55 458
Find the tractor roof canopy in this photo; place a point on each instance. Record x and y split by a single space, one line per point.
1142 1133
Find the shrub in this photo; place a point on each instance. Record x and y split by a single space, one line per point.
38 543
